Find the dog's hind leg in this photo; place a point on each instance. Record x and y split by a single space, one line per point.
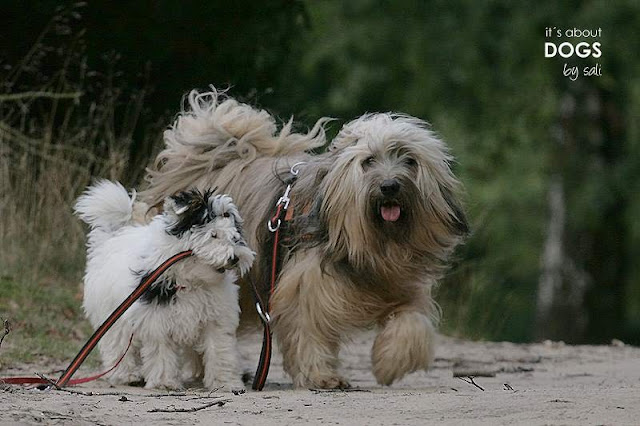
403 345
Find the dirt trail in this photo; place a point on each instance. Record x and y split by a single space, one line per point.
533 384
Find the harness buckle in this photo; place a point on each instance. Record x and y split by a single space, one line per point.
263 315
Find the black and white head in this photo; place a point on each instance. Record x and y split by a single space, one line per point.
389 196
211 226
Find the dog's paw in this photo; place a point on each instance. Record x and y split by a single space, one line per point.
128 379
168 385
236 386
323 381
404 345
244 256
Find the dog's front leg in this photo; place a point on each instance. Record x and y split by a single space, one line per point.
308 315
160 364
311 360
112 346
192 367
220 356
403 345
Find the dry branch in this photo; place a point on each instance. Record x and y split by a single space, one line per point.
469 380
189 410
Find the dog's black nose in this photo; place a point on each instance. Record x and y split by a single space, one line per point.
389 187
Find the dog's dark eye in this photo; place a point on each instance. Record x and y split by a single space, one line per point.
368 162
226 214
214 234
410 162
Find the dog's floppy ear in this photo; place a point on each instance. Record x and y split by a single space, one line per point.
187 209
457 219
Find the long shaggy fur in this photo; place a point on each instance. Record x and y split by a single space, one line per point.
184 325
376 219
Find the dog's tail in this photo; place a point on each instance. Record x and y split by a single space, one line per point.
214 130
105 205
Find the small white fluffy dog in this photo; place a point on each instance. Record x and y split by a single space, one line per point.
184 325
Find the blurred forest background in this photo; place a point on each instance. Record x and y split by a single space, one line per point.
551 166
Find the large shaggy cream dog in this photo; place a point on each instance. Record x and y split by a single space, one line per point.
376 218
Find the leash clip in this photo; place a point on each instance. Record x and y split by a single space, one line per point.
285 198
263 315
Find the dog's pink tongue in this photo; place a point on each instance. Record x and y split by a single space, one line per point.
390 213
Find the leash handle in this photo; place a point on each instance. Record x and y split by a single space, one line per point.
44 381
100 331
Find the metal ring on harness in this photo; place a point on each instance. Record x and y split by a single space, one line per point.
271 228
263 315
294 170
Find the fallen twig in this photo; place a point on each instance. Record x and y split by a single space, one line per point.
189 410
473 372
338 390
50 381
471 382
150 395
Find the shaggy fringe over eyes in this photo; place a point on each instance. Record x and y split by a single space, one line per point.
191 208
433 200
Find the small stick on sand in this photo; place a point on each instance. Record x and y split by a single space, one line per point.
473 372
338 390
189 410
469 380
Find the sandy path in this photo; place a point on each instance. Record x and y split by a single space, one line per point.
534 384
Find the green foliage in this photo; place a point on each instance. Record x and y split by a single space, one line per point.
45 316
477 71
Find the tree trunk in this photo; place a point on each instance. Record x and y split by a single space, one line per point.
581 288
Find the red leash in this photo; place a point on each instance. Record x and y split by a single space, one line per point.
65 378
42 380
264 306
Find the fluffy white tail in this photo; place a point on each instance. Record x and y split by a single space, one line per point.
213 131
105 205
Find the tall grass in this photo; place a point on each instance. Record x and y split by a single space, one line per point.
58 131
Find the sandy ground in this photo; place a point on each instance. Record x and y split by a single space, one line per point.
532 384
